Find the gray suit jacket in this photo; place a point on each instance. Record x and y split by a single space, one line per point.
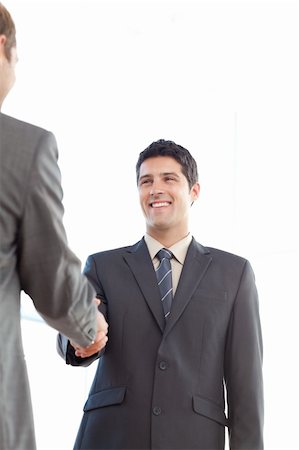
163 388
34 257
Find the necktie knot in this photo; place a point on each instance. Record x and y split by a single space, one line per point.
164 253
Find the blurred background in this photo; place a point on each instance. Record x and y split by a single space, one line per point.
219 78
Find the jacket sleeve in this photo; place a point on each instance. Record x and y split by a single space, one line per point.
64 348
243 368
49 272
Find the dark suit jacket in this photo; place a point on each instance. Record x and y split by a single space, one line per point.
163 388
34 257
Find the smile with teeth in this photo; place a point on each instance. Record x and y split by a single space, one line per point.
160 204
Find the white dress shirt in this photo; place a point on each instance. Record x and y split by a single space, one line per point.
179 251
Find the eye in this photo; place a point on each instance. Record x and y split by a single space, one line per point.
145 182
168 178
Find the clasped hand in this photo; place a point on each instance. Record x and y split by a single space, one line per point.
100 340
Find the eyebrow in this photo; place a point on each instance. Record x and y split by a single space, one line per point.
163 174
173 174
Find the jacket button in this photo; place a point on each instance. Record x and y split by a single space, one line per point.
156 410
163 365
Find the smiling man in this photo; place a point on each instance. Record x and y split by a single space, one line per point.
184 328
165 197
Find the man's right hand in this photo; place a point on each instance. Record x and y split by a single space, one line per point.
100 340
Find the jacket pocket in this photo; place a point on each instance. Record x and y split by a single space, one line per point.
218 295
108 397
210 410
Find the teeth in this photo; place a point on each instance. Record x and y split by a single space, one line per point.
160 204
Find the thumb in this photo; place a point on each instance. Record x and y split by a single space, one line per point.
97 301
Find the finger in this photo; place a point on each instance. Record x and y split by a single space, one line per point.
97 301
100 335
89 351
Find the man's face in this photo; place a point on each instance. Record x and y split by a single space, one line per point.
7 70
165 196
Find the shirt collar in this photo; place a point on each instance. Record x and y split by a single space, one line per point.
179 249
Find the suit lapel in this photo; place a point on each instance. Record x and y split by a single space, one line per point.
196 263
140 263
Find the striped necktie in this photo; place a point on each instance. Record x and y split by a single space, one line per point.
164 277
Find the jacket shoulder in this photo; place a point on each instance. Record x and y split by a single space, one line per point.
223 258
9 123
22 141
112 253
222 254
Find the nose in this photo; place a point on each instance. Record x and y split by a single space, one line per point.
156 188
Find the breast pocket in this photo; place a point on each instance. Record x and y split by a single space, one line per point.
211 295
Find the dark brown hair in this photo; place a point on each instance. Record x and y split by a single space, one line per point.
175 151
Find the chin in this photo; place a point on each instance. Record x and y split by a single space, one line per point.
161 226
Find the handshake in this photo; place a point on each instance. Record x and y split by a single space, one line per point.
100 340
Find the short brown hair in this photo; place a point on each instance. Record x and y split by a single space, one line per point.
8 29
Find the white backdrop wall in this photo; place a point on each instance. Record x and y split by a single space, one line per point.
221 79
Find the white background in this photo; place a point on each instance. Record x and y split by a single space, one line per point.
219 78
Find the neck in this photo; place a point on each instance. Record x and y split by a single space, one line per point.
2 96
166 238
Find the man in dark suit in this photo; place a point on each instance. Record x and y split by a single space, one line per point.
173 376
34 255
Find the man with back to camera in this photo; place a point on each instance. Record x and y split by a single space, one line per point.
34 255
183 327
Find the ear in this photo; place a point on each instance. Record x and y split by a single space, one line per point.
3 39
194 192
2 44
